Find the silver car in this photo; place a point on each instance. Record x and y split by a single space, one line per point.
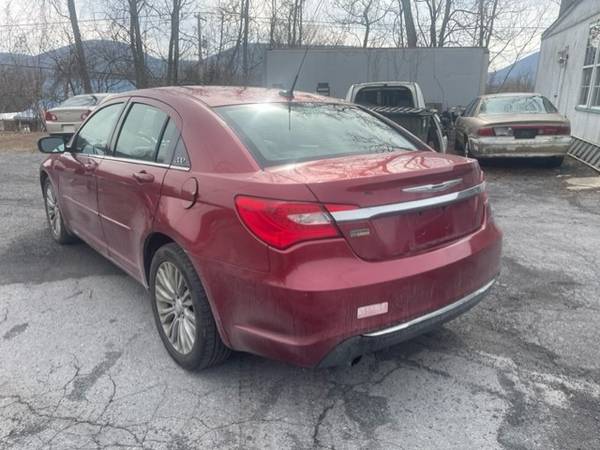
521 125
66 117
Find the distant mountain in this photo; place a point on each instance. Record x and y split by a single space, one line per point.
109 63
525 68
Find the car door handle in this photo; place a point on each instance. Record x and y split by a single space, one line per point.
90 165
143 176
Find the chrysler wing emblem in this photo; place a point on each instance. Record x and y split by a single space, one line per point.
434 187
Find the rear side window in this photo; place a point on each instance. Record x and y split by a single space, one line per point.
282 133
94 135
517 104
140 134
165 149
80 100
470 109
181 158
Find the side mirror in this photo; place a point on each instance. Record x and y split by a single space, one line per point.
51 144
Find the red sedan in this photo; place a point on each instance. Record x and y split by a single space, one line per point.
303 229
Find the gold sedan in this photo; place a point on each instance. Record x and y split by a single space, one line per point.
510 125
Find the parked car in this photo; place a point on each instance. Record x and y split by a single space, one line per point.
513 125
403 103
306 230
66 118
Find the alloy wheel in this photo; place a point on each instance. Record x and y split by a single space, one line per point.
175 307
53 211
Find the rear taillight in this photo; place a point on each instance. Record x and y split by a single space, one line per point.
50 117
486 132
282 224
85 114
555 130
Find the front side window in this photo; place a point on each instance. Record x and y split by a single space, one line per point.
589 93
94 136
516 104
282 133
140 134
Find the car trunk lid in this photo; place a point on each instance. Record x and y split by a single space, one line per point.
399 199
526 126
69 114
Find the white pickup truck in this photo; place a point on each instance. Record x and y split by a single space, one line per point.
402 102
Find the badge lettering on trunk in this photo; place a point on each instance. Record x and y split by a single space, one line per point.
360 232
434 187
372 310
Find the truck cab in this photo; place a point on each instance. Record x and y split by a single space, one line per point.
388 93
403 103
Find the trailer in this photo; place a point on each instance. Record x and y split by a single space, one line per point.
448 76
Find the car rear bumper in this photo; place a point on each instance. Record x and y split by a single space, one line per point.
356 346
310 301
62 127
508 147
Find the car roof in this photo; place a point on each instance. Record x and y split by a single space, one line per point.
214 96
386 84
91 94
512 94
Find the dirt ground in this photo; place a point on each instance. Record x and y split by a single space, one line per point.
18 142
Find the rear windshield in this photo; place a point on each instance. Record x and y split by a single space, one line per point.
282 133
80 100
386 96
521 104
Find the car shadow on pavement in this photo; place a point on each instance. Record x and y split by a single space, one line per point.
33 257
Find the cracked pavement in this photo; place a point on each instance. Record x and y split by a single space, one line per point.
82 366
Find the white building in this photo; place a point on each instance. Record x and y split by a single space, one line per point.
569 70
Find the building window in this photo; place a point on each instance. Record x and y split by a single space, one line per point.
589 95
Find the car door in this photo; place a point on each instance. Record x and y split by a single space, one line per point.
130 179
461 125
77 175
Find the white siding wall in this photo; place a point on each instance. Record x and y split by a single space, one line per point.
562 83
450 76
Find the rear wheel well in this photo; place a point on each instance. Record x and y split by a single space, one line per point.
153 243
43 178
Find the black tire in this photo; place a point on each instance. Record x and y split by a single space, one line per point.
467 148
553 161
58 229
459 148
208 348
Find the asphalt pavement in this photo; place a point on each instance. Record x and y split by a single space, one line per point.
82 366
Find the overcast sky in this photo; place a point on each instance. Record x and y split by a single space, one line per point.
24 15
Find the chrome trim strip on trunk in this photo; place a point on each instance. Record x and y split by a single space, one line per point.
415 205
434 187
433 314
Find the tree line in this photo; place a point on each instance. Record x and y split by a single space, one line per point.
217 45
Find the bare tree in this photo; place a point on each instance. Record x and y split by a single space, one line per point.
81 63
245 19
176 11
124 20
411 32
135 42
365 13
